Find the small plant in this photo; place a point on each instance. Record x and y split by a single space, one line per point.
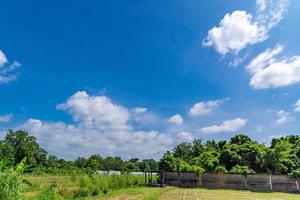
95 191
48 194
82 192
84 181
105 191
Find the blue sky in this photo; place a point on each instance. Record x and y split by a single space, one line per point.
122 77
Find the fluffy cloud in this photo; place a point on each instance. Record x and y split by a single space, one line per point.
176 119
185 136
100 126
283 117
7 74
203 108
226 126
3 59
96 111
297 106
239 29
139 110
236 31
269 70
6 118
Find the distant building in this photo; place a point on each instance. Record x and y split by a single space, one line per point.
136 173
108 173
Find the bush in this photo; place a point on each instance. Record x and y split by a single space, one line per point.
84 181
10 181
82 192
198 170
48 194
295 174
241 170
10 185
221 169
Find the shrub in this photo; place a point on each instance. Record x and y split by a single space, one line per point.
241 170
48 194
84 181
10 181
10 185
82 192
198 170
295 174
221 169
105 191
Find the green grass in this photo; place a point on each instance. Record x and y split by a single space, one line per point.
67 186
205 194
138 193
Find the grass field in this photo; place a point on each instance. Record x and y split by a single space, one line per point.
68 186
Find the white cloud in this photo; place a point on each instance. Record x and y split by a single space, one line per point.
271 12
283 117
236 31
6 118
297 106
239 29
185 136
139 110
261 5
176 119
276 136
226 126
96 111
7 74
100 126
268 70
3 59
203 108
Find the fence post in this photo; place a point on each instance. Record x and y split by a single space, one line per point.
179 179
246 182
270 182
297 184
199 180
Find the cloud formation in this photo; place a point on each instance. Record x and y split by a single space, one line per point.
6 118
176 119
100 126
139 110
226 126
185 136
239 29
283 117
297 106
3 59
203 108
269 70
7 70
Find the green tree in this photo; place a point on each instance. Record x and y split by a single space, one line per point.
184 151
25 146
168 163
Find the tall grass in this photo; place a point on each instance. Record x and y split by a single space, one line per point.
103 184
11 180
86 186
10 185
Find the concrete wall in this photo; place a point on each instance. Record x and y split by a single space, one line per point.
254 182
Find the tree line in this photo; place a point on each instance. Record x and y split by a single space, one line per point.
18 145
240 154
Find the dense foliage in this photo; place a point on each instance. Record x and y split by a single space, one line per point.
240 155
